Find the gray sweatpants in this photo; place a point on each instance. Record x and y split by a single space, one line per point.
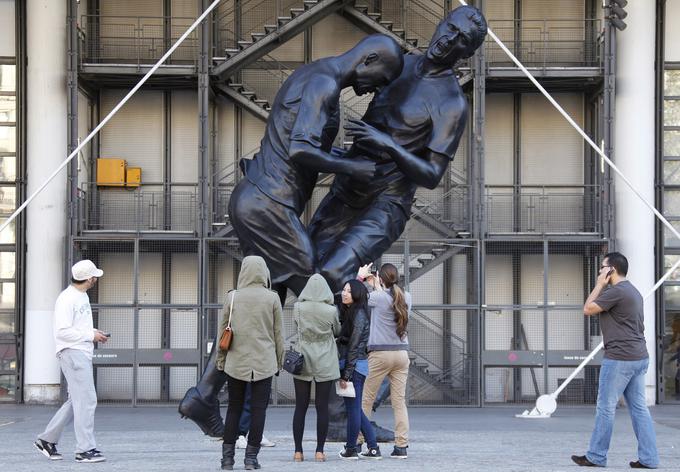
81 403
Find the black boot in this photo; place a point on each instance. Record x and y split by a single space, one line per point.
251 457
228 456
200 403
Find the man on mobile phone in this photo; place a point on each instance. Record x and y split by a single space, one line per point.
75 336
620 307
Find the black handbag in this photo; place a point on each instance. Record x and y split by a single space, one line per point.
294 360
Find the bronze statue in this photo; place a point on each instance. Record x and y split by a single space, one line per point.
406 139
265 207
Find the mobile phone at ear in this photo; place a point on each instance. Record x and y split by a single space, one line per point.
611 271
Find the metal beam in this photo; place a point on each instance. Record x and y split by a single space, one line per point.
228 92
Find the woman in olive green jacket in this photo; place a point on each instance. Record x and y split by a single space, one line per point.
255 355
316 317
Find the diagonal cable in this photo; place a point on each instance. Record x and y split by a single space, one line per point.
612 166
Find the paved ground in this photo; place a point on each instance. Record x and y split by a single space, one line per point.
488 439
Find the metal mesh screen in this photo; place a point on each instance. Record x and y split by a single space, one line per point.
546 43
148 299
106 39
114 384
535 332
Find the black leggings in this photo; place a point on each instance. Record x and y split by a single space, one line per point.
303 392
259 400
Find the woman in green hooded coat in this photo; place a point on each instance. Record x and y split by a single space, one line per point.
255 355
316 319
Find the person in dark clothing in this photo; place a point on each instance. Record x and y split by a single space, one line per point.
620 307
352 350
411 131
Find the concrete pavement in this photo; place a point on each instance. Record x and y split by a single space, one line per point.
448 439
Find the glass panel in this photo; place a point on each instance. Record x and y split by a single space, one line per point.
671 356
8 109
8 357
7 320
8 387
671 295
671 82
671 202
669 238
668 262
7 292
7 78
671 112
8 139
7 200
7 234
7 28
7 265
8 168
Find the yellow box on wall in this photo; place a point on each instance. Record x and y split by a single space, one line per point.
111 172
133 176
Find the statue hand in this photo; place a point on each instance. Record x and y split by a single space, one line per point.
367 136
363 170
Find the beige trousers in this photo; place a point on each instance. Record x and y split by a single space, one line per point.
394 365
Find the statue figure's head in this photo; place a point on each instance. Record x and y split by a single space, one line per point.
380 62
457 36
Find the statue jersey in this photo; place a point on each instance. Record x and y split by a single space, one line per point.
300 112
420 113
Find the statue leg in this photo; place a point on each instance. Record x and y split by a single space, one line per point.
340 266
360 236
200 403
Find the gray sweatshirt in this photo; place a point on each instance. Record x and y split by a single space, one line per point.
383 333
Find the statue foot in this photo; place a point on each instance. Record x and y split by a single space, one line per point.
382 434
206 414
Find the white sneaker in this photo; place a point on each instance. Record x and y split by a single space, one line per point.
266 442
241 442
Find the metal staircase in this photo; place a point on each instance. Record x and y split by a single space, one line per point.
450 381
273 35
372 21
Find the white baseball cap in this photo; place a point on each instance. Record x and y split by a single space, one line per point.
85 269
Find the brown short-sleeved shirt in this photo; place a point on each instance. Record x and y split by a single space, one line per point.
622 322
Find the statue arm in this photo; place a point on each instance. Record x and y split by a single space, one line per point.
427 167
320 97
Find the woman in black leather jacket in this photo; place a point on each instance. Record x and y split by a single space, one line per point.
352 344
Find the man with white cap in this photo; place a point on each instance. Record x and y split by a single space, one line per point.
75 336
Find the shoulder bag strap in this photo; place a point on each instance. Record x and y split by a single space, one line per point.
297 309
231 308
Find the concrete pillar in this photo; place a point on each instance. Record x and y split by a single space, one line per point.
634 155
46 217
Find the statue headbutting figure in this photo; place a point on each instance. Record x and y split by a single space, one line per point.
406 139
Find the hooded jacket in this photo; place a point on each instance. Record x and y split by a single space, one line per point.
317 319
256 350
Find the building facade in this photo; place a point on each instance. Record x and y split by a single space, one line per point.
499 257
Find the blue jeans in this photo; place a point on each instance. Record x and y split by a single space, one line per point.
356 420
627 378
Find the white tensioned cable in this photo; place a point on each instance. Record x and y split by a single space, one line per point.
613 166
113 112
